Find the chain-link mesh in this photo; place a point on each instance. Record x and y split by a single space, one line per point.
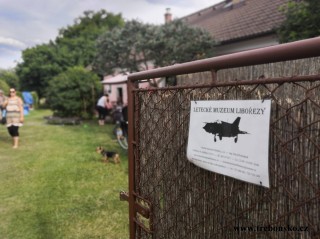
188 202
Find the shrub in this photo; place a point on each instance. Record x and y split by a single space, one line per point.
73 93
35 99
10 77
4 87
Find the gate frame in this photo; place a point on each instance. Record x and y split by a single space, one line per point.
284 52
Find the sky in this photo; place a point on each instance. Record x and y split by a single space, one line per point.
27 23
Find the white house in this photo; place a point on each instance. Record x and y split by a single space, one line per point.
116 88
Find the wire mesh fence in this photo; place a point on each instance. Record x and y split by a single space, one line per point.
173 198
189 202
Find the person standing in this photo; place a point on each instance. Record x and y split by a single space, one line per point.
109 107
14 114
101 108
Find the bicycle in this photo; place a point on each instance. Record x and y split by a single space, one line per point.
121 134
121 126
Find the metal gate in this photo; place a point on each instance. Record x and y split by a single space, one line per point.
169 197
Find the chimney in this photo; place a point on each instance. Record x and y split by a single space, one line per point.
167 16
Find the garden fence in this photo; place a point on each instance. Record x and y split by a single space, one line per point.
169 197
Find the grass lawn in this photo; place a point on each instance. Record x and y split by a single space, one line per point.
54 186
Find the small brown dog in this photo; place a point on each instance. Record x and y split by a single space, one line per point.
108 154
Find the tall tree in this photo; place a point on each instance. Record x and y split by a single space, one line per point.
11 78
302 20
136 45
39 65
79 40
74 46
128 48
4 87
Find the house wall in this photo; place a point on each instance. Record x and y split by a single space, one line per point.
245 45
114 92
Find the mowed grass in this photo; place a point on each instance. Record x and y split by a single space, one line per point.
55 185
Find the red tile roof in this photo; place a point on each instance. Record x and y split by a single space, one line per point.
229 21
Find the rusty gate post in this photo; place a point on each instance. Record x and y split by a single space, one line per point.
132 226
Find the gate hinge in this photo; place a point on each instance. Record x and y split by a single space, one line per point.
141 205
143 218
124 196
143 209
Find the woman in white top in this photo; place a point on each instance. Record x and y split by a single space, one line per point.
101 108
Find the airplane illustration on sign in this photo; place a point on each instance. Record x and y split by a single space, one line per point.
224 129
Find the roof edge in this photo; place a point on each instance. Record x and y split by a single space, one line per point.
243 38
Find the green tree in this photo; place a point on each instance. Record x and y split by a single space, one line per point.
40 64
74 93
134 46
302 21
127 48
78 42
177 42
11 78
74 46
4 87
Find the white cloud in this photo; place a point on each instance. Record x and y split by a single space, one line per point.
12 42
10 59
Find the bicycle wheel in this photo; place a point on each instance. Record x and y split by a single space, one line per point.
122 140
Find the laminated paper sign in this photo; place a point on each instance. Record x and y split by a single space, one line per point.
231 137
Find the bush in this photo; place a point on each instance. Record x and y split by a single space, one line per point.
10 77
35 99
74 93
4 87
